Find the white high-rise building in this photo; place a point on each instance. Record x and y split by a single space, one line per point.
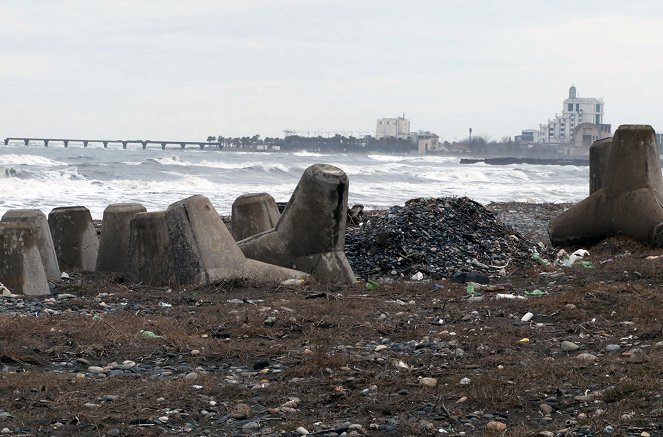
393 128
563 128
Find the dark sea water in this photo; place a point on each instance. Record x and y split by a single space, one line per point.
44 178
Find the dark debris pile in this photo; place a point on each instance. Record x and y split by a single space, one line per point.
437 237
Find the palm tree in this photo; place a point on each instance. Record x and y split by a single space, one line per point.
211 139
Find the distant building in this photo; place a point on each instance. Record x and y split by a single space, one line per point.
428 142
566 130
393 128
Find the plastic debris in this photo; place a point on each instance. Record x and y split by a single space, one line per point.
64 275
96 317
293 282
536 257
509 296
372 285
535 293
527 317
417 276
165 305
523 340
149 334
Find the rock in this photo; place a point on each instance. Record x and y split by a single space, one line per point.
428 382
612 347
241 411
496 426
96 369
465 381
587 358
527 317
191 376
569 346
546 409
302 431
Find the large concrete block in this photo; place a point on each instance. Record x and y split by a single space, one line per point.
310 235
21 268
598 163
36 220
252 214
202 249
148 257
114 241
74 237
630 199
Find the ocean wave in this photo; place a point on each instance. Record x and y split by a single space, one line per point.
33 160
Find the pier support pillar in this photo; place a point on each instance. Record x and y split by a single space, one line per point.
26 142
182 145
144 143
6 141
163 146
45 143
66 143
85 143
105 144
124 144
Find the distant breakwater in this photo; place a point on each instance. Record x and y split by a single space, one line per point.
536 161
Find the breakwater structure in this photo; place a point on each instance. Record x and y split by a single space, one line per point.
124 143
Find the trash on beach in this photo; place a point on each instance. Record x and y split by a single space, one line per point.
269 321
536 257
64 275
163 304
587 264
566 260
417 276
509 296
5 291
491 287
372 285
523 340
535 293
654 256
527 317
149 334
470 289
96 317
63 296
293 282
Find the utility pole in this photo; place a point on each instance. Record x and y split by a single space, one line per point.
470 137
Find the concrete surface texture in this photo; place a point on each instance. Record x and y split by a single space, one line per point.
202 249
629 200
37 221
21 268
310 235
252 214
114 241
74 238
148 257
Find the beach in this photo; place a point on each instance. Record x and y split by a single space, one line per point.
545 350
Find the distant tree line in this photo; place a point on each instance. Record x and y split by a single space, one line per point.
337 143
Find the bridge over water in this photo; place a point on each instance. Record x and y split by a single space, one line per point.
124 143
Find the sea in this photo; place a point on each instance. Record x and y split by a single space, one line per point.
41 177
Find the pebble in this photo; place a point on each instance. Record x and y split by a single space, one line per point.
494 425
96 369
191 376
241 411
612 347
428 382
588 358
569 346
527 317
302 431
465 381
546 409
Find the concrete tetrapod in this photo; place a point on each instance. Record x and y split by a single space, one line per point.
114 241
21 268
74 237
630 198
252 214
148 258
37 221
202 249
598 163
310 235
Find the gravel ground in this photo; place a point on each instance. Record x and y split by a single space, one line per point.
544 350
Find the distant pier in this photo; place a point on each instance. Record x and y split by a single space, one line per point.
124 143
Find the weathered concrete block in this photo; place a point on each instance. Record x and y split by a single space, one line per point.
202 249
310 235
598 163
114 241
252 214
21 268
148 257
36 220
74 238
629 200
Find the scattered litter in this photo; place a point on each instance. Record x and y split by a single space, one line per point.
464 277
536 257
372 285
509 296
96 317
527 317
63 296
165 305
293 282
64 275
535 293
523 340
149 334
417 276
654 256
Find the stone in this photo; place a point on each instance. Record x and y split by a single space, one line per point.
428 382
612 347
241 411
202 249
39 224
546 409
496 426
21 267
148 258
630 200
569 346
252 214
587 358
74 238
114 241
310 235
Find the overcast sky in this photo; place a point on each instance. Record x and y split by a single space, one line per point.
188 69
